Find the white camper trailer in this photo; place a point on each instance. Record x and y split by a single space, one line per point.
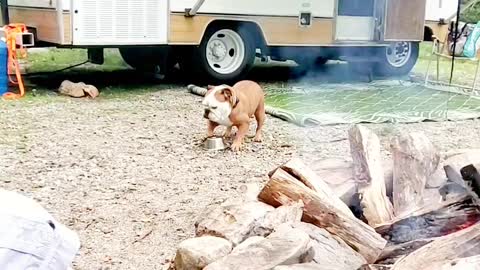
220 39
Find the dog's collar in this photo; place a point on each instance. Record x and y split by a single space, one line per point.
236 103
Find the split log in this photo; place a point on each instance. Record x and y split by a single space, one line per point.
337 173
415 159
368 172
309 178
443 250
456 161
453 175
472 177
375 267
328 250
322 210
469 263
450 218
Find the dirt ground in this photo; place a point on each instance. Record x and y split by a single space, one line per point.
130 176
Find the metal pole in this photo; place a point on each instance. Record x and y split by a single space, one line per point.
5 15
455 39
193 11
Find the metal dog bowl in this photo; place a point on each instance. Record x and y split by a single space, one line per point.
215 144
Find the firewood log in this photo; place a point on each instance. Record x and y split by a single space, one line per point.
415 159
445 249
368 172
325 211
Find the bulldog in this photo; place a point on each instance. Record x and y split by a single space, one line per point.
234 107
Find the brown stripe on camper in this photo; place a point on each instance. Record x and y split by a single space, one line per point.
276 30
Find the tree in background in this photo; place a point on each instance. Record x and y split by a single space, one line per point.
472 14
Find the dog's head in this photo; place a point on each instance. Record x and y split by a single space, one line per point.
219 102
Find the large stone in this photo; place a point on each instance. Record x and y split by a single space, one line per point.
72 89
289 213
196 253
305 266
77 90
233 222
285 246
329 251
245 245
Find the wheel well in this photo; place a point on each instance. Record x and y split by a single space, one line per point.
252 27
428 34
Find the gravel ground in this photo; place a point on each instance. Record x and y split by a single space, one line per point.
116 170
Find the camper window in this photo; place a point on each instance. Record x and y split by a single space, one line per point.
363 8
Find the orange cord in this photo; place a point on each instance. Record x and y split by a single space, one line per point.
11 32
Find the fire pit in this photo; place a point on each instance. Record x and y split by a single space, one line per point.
299 221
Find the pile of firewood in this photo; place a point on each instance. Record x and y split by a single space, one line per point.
365 219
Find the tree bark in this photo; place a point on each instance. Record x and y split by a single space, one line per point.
319 210
368 172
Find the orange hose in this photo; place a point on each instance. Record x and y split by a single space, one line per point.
11 32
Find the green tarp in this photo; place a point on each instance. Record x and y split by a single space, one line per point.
380 102
372 103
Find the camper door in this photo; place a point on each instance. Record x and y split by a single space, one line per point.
404 20
358 20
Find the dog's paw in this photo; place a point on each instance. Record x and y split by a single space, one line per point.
258 138
236 146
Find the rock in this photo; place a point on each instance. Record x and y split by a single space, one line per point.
232 222
328 250
91 90
249 191
196 253
283 214
305 266
69 88
245 245
457 162
285 246
77 90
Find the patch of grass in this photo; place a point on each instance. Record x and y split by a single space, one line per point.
54 59
464 70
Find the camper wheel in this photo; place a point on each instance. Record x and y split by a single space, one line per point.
398 59
226 53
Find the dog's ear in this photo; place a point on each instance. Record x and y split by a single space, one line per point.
230 95
210 87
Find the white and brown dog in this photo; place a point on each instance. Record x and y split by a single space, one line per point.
233 107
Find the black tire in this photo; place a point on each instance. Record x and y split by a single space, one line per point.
385 67
202 69
148 59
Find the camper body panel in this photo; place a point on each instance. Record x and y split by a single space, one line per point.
51 19
155 22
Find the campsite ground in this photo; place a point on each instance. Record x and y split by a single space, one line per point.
127 170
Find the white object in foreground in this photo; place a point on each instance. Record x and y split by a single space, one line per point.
30 238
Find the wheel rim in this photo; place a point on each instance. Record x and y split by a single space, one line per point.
399 53
225 51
